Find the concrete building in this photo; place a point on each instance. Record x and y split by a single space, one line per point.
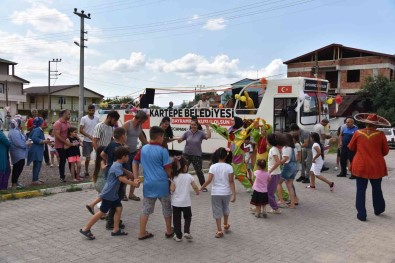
346 69
11 87
61 97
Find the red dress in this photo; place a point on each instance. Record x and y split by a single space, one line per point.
370 146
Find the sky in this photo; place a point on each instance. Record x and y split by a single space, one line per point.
180 44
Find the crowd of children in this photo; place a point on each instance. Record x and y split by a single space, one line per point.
169 181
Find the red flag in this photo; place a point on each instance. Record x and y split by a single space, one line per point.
284 89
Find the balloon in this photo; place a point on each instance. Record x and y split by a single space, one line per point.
329 101
237 96
243 98
263 81
338 99
220 106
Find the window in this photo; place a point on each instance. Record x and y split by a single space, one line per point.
1 88
391 74
62 100
353 75
32 100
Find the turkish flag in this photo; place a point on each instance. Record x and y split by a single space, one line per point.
284 89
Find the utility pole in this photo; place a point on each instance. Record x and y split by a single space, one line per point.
53 76
82 46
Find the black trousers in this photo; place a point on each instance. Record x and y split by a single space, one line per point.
197 163
46 154
62 162
17 170
187 212
345 154
377 197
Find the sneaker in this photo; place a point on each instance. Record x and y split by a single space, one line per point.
306 181
51 165
62 180
187 236
264 214
336 168
86 174
332 186
310 187
341 175
352 177
300 179
177 239
258 215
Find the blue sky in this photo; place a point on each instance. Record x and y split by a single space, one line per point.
138 44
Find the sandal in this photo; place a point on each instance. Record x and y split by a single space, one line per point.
90 209
226 227
119 233
134 198
219 234
88 234
147 235
125 198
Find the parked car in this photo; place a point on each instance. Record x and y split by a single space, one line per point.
390 134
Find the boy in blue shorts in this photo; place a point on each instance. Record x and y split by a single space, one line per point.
109 194
155 160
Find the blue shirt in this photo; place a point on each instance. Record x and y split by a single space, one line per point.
110 189
154 158
347 134
18 149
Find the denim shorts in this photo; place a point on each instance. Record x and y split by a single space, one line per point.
289 171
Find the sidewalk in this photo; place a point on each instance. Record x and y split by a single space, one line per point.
323 228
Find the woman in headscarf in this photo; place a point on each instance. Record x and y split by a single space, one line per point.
17 152
5 168
368 164
36 150
235 137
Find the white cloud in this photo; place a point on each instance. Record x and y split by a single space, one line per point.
43 19
135 62
275 69
196 65
215 24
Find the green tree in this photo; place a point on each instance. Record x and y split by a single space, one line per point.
378 95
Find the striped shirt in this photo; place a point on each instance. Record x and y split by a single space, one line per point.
103 133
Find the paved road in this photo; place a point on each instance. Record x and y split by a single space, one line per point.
322 229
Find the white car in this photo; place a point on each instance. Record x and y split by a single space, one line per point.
390 134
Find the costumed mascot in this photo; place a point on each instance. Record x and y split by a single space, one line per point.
235 137
259 136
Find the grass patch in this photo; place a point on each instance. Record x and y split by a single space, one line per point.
73 188
29 188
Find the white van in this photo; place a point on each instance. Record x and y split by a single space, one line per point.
390 134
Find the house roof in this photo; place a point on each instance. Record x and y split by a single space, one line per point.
38 90
13 78
364 52
7 62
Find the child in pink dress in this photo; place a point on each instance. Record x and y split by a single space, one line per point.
259 196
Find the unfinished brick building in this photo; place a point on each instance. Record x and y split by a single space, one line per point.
346 68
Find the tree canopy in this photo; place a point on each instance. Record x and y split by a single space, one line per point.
378 94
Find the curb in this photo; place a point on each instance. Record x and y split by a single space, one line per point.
47 191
